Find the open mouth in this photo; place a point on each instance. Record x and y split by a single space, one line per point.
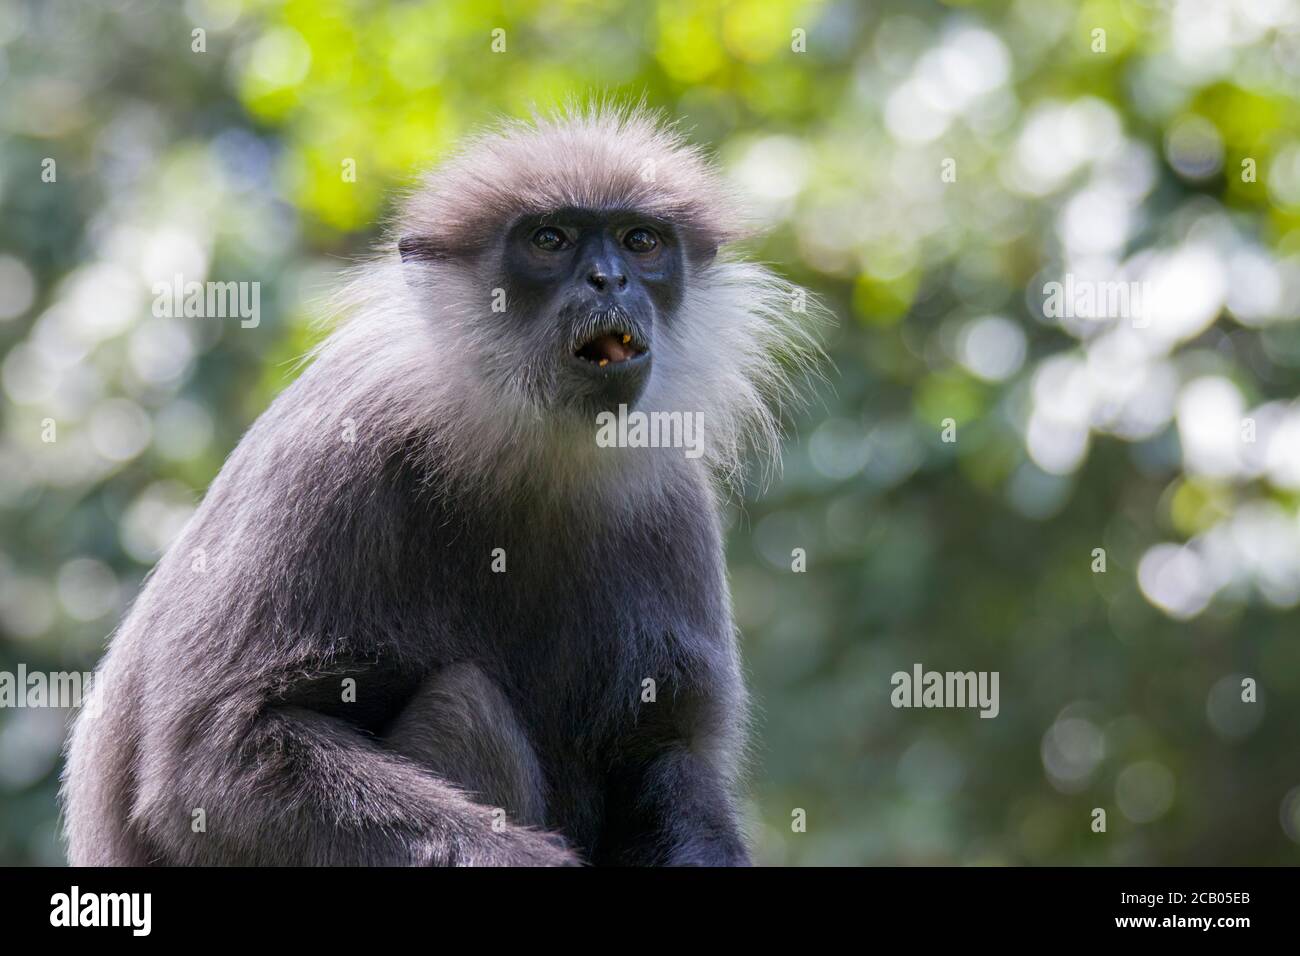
610 348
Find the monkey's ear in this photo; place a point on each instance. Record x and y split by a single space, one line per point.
701 247
419 249
704 253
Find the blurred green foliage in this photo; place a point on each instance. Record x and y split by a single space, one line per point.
926 169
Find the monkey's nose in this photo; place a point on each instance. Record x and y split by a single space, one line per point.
603 282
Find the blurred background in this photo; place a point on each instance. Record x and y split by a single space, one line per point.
927 169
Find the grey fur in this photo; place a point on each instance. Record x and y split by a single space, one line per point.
460 725
324 560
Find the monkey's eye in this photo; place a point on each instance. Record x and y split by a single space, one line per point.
549 239
641 240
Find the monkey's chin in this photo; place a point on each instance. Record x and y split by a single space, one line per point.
594 388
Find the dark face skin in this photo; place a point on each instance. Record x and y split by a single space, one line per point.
592 289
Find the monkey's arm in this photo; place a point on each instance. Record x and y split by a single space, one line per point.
672 798
676 809
460 726
298 787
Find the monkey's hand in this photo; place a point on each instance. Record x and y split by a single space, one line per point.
516 846
460 726
676 810
296 787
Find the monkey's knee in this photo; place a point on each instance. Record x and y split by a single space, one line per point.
460 725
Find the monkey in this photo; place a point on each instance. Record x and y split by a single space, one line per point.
421 617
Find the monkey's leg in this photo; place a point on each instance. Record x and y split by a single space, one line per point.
280 784
460 726
674 809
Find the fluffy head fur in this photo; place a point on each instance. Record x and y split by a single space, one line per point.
600 157
422 350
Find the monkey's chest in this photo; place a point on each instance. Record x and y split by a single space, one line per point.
590 634
606 647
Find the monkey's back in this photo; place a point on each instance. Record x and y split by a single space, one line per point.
99 779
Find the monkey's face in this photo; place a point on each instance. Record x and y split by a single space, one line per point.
588 291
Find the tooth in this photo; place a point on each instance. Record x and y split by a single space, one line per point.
603 362
626 339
